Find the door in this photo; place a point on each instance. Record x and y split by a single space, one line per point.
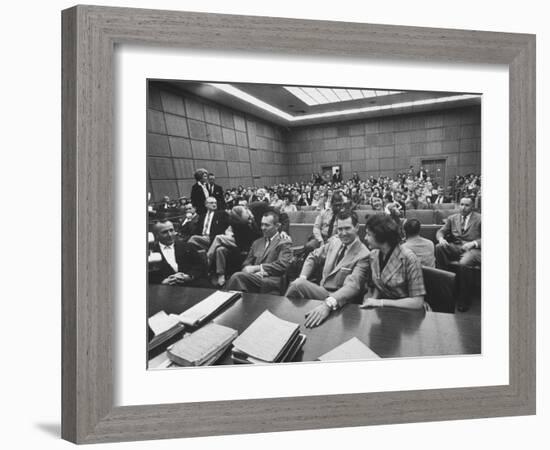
436 170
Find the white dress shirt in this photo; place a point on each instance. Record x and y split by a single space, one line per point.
170 255
207 223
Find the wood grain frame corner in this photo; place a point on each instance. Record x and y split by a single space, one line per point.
89 36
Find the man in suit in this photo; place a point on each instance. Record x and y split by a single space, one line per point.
199 191
267 260
180 263
440 197
344 263
460 240
210 224
215 191
189 225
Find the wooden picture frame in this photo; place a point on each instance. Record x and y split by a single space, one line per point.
89 37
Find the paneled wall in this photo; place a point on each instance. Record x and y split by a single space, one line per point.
184 134
388 145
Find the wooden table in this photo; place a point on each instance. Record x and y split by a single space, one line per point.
390 332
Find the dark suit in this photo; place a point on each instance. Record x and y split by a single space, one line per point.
187 259
216 191
444 199
274 260
218 226
189 228
198 198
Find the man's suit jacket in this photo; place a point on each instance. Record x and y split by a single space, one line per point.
187 259
452 232
345 279
446 199
218 226
189 228
198 198
274 259
216 191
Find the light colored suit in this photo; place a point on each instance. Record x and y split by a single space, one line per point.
452 232
274 260
342 281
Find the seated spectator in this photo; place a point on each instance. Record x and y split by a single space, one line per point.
324 226
189 225
288 207
276 202
238 237
343 260
423 248
377 204
210 224
258 210
395 272
460 238
180 263
317 201
266 262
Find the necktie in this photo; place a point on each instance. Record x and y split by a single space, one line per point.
462 224
331 225
207 220
341 254
267 241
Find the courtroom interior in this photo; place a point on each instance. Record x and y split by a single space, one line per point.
352 214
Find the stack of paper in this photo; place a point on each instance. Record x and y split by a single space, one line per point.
164 327
202 347
208 307
352 349
267 340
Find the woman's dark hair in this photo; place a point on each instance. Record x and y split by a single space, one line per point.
384 229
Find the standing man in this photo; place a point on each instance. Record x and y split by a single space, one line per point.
215 191
211 223
344 261
199 191
180 263
267 260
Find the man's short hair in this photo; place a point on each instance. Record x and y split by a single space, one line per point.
274 214
210 199
468 197
346 214
199 174
412 227
384 229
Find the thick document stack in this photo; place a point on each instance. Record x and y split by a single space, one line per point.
164 327
202 347
352 349
208 307
268 340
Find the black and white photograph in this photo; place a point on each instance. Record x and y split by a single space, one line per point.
311 223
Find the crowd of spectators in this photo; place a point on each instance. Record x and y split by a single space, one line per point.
250 226
406 190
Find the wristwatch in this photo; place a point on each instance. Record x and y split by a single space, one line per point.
332 303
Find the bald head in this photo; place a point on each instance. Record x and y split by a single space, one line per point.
164 232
